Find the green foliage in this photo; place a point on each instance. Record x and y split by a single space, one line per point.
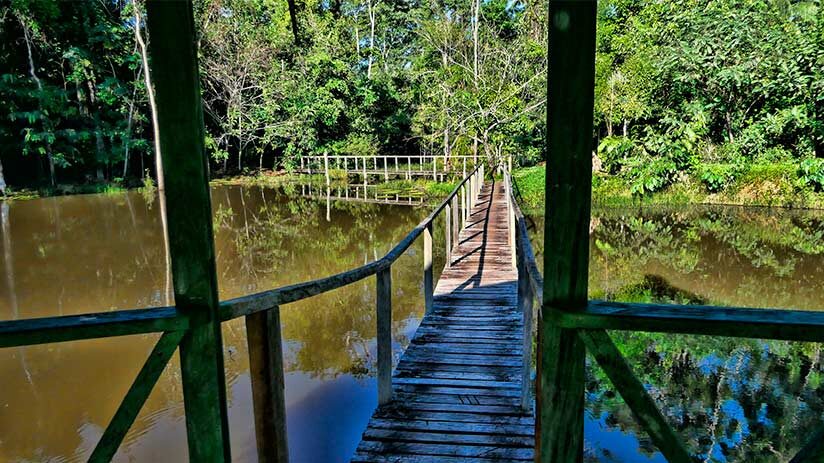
811 173
716 177
652 176
614 152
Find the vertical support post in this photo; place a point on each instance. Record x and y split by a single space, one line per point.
570 82
263 337
301 164
434 168
326 168
409 167
396 164
428 291
455 221
189 212
464 166
448 234
384 322
525 298
385 169
364 176
510 198
346 168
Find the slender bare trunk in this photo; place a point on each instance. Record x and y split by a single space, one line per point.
147 77
476 14
39 84
2 180
625 128
371 10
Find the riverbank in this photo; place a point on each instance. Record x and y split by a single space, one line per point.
762 185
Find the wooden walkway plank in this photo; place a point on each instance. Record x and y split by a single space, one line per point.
456 389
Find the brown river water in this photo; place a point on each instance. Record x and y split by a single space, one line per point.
732 400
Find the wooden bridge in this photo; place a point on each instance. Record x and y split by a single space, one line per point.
461 391
457 391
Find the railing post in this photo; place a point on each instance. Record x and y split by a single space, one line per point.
174 66
448 234
525 298
263 337
385 169
384 336
455 221
510 198
428 293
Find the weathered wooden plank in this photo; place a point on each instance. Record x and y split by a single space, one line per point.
452 439
446 450
608 356
366 457
454 427
455 399
458 382
486 410
136 397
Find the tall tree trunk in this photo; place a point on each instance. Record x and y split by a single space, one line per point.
147 78
2 180
625 128
371 10
39 84
293 16
476 14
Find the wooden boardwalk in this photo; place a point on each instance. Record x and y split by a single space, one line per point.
456 389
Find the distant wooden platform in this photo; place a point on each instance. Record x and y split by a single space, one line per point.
456 389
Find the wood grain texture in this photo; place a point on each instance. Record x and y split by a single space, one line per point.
457 388
174 65
570 97
263 337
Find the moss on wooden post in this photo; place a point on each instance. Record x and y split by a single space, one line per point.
571 81
180 117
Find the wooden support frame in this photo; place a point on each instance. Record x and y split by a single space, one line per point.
138 393
180 118
428 279
263 338
570 96
384 334
601 347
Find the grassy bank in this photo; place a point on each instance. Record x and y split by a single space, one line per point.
776 185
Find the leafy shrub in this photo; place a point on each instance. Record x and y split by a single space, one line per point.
811 173
652 175
613 152
716 177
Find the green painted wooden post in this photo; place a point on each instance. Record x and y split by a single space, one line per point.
263 338
383 283
428 291
570 84
180 118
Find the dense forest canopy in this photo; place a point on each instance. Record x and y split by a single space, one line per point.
684 87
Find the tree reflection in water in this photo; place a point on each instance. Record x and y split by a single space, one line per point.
730 399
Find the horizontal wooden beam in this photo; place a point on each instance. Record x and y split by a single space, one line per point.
89 326
788 325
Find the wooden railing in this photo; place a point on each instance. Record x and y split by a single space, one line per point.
407 166
591 324
262 316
